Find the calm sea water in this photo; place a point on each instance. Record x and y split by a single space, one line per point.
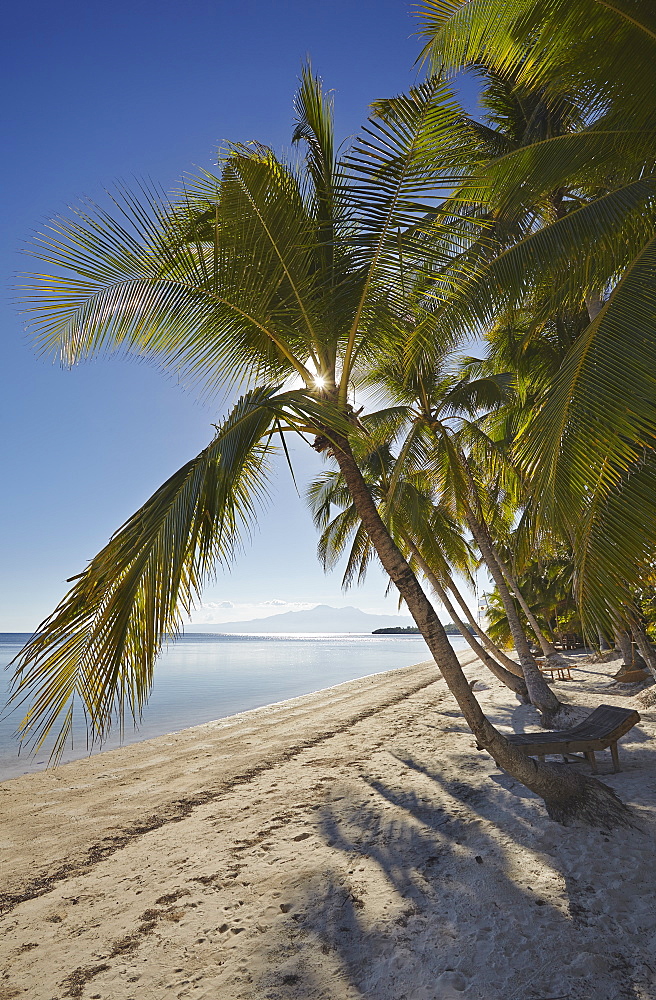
206 677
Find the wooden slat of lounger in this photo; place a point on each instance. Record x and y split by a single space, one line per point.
602 727
565 746
603 721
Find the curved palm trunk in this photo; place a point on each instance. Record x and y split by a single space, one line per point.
539 691
512 681
497 653
603 643
645 647
547 647
624 644
568 795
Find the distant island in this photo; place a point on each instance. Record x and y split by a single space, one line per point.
321 618
450 629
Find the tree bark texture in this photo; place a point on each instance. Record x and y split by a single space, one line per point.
594 304
546 645
512 681
568 795
497 653
603 644
539 691
646 649
624 644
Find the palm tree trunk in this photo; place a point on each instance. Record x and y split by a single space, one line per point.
624 644
497 653
515 683
547 647
646 649
568 795
603 643
539 691
594 304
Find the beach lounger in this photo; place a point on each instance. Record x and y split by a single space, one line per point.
601 730
560 671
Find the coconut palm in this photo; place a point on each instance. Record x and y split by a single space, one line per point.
547 586
444 411
590 451
515 117
423 530
265 273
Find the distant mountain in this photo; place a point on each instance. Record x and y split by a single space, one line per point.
320 619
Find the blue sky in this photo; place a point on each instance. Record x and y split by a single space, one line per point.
95 93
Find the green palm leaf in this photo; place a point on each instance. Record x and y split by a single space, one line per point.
99 646
563 45
150 286
392 176
599 416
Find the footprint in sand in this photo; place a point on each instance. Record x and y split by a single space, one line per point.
450 986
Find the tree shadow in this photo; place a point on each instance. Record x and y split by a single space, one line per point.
429 901
588 905
408 938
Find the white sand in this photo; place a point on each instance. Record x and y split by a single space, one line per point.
347 844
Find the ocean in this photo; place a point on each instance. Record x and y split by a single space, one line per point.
202 677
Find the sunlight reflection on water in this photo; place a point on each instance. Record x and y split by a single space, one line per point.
204 677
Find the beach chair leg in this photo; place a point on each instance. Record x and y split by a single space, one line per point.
616 757
590 757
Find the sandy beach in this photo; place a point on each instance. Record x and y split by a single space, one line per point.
347 844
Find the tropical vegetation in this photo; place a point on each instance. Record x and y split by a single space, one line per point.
299 284
586 265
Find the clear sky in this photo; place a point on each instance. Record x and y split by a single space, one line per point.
97 92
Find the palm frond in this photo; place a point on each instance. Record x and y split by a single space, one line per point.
614 544
391 178
604 48
598 417
98 648
144 282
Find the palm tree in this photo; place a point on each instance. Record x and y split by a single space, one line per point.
546 584
589 453
264 274
422 529
442 411
516 117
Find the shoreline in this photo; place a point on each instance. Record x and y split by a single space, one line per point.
170 709
213 723
66 789
346 844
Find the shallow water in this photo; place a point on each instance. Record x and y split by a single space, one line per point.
204 677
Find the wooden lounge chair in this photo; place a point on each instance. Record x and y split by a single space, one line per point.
558 671
601 730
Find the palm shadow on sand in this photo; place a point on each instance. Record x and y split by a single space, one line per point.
450 916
